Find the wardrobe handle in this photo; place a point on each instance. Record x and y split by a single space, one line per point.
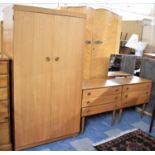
98 42
88 42
89 94
48 59
57 59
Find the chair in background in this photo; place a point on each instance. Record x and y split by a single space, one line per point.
148 72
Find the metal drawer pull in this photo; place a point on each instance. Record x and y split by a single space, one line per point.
98 42
88 42
89 94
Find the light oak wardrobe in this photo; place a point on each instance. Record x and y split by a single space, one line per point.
103 29
46 47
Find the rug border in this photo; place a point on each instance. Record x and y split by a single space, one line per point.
114 137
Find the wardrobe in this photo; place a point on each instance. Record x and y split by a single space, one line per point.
102 38
46 48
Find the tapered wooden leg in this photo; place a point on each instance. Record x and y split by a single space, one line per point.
83 124
113 117
152 120
142 112
120 115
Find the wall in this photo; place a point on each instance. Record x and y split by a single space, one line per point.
131 27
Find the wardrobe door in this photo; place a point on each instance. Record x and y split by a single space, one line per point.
68 40
88 37
106 36
32 78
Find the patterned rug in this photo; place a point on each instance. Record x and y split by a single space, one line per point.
135 140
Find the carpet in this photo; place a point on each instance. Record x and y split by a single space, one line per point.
134 140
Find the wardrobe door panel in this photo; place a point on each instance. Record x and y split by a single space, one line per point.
32 77
88 37
106 36
67 75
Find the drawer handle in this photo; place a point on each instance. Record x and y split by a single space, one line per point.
116 97
88 102
6 118
89 94
88 111
147 92
126 96
117 90
127 88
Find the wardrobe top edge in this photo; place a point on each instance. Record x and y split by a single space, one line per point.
88 7
45 10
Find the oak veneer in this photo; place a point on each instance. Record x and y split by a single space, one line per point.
5 126
46 49
103 95
102 39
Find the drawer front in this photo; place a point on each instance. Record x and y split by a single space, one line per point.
4 133
101 100
137 87
3 67
95 93
4 114
135 98
3 81
3 93
98 109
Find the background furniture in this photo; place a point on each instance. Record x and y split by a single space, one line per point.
46 47
103 30
5 138
148 72
124 62
101 95
128 64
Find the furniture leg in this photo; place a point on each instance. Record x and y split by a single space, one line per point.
113 117
83 124
152 120
142 112
120 115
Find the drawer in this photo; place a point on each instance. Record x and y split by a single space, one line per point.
135 101
3 67
137 87
101 100
98 109
135 98
3 81
95 93
4 133
3 93
4 114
